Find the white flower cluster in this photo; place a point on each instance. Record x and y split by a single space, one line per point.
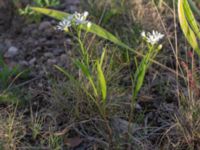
153 37
74 19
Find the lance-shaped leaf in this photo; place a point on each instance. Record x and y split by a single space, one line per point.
188 32
102 81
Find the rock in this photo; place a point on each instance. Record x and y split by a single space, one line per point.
44 25
63 58
122 126
48 55
12 51
23 63
32 61
51 61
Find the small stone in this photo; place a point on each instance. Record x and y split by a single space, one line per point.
63 58
48 55
23 63
32 61
12 51
44 25
138 107
40 85
51 61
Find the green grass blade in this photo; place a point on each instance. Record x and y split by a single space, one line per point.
102 82
188 32
191 19
65 73
84 68
140 74
88 75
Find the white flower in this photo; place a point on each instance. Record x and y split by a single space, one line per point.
64 24
153 37
143 34
81 18
74 19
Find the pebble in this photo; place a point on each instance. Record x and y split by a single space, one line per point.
48 55
63 58
44 25
12 51
32 61
51 61
23 63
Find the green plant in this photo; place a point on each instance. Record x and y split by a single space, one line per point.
92 79
6 74
55 142
12 129
7 77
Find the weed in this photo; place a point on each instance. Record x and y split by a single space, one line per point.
12 129
6 74
92 69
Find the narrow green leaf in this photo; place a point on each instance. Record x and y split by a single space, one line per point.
102 82
84 68
52 13
86 72
65 73
188 32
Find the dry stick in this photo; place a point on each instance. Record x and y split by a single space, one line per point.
176 47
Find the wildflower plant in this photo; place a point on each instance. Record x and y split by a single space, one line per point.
79 22
85 63
153 47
